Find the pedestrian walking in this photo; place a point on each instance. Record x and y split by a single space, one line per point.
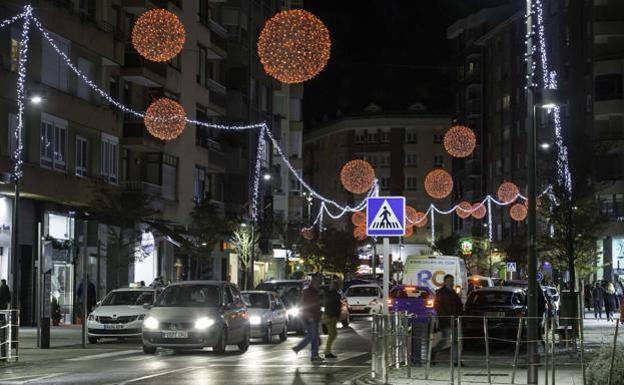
447 305
609 300
5 295
311 316
332 307
598 299
587 296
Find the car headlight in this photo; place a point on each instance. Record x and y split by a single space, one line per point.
204 323
322 309
255 320
293 311
150 323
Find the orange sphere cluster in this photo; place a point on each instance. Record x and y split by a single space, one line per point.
359 218
294 46
409 231
420 219
518 212
479 210
307 233
357 176
460 141
359 233
158 35
165 119
464 210
438 183
507 192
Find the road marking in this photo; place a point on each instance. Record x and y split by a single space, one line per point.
286 366
136 358
189 368
11 381
103 355
347 356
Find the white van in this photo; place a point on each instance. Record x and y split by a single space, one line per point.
429 271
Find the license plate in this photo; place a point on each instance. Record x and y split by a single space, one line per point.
495 314
175 334
113 326
357 306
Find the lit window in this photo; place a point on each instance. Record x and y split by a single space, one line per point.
81 156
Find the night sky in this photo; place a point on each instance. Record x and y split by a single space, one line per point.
391 52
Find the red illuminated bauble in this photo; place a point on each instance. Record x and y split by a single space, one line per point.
359 233
411 214
438 183
294 46
460 141
409 231
307 233
359 218
479 210
420 219
463 210
165 119
158 35
518 212
507 192
357 176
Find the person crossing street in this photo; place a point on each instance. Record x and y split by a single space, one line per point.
332 313
311 316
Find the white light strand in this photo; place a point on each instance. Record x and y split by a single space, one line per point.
432 210
21 81
489 214
7 22
260 152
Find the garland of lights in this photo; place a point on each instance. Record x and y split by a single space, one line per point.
21 95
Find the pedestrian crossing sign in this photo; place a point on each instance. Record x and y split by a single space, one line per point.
385 216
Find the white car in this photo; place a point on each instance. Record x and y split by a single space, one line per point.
364 299
120 314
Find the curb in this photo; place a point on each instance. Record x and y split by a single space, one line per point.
362 379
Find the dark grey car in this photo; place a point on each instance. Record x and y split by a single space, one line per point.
267 315
195 315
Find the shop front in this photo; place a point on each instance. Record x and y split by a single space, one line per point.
58 260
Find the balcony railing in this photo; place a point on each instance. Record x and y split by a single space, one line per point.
145 187
133 59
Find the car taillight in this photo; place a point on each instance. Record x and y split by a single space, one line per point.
389 302
429 303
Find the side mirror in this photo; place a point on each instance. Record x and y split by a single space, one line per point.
147 306
98 303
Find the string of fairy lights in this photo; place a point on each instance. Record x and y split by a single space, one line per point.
159 35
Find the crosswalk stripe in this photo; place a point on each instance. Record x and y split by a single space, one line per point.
25 379
102 355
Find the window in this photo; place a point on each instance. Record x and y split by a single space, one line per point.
438 138
82 89
205 68
411 136
372 159
200 185
385 136
410 159
385 183
81 156
108 158
53 68
203 12
360 137
53 142
296 138
608 87
438 161
506 102
169 176
410 183
203 134
15 47
372 136
11 131
384 160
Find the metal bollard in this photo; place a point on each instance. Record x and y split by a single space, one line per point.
9 335
546 354
452 323
429 346
409 335
615 336
582 342
552 351
459 350
487 350
517 351
374 332
397 352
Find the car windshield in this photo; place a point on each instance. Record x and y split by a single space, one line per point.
129 297
410 292
363 291
190 296
288 291
488 298
257 300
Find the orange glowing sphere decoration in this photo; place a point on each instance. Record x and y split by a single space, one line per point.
518 212
359 218
165 119
359 233
409 231
420 219
411 214
507 192
464 210
158 35
479 210
307 233
460 141
357 176
438 183
294 46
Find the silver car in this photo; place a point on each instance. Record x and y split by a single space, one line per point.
195 315
267 315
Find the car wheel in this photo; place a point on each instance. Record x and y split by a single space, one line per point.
346 321
284 334
93 340
149 349
221 345
244 345
268 334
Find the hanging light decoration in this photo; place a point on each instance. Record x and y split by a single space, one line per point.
463 210
479 210
307 233
165 119
409 231
359 218
507 192
420 219
158 35
518 212
438 183
357 176
294 46
460 141
411 214
359 233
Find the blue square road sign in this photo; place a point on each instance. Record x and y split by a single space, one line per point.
385 216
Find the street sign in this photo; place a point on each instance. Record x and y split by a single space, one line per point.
385 216
539 276
511 267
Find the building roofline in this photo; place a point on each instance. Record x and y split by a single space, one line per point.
481 40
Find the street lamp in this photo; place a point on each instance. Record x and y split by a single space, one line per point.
36 99
545 146
266 176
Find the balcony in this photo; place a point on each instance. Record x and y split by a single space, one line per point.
217 159
609 107
139 6
218 38
609 28
149 189
135 135
142 71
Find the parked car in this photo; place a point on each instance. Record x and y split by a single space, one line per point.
267 315
289 291
197 314
345 317
364 299
516 283
120 314
417 301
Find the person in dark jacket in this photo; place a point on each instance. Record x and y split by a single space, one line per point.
5 295
447 305
311 316
332 307
609 300
598 300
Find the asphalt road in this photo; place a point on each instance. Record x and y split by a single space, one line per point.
114 362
